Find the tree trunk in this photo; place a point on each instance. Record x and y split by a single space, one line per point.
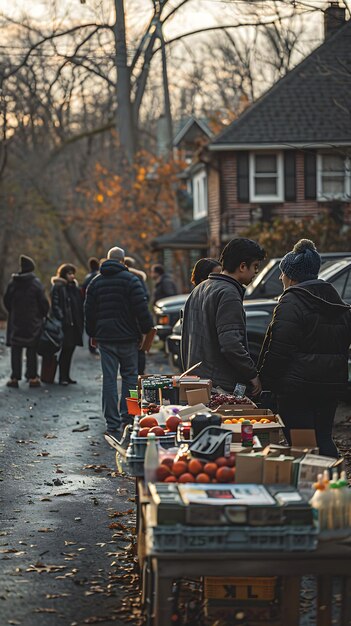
124 123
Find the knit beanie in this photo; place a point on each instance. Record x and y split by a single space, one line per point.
26 264
302 263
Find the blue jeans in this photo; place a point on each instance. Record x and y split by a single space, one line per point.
314 413
113 356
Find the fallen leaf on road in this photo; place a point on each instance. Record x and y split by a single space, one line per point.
53 596
41 567
43 454
45 530
44 610
13 622
81 429
45 500
64 493
50 436
70 543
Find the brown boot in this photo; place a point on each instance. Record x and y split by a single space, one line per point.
34 382
13 382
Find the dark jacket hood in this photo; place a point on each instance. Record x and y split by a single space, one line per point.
320 295
111 267
19 277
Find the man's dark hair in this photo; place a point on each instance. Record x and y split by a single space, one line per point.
94 264
158 268
238 251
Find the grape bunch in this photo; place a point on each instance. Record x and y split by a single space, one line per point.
221 398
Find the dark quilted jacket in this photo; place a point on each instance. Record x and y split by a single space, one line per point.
305 350
116 305
27 305
214 332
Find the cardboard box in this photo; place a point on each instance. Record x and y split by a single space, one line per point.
202 383
197 396
277 470
303 441
311 465
268 433
248 468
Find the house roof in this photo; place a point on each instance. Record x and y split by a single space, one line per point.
192 235
309 105
190 129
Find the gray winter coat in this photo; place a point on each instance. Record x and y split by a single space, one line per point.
214 332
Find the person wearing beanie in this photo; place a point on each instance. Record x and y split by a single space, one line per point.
27 305
26 264
67 306
304 357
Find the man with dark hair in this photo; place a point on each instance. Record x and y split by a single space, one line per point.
94 267
164 284
117 315
214 324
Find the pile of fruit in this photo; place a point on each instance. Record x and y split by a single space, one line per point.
149 424
218 399
240 420
185 470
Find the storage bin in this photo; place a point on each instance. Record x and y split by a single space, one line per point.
133 406
180 538
138 444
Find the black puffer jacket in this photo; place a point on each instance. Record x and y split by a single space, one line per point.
116 305
67 306
214 332
305 350
27 305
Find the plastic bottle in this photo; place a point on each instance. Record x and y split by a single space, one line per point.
317 503
151 460
345 498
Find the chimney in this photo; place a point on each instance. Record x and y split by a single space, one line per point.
334 18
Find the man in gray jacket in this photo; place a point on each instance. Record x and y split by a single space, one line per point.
214 325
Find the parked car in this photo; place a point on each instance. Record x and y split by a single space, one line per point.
259 312
167 312
267 284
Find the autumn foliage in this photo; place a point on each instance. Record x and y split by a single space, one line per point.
279 236
130 209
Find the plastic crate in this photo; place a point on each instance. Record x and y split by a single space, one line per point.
134 465
138 444
234 588
180 538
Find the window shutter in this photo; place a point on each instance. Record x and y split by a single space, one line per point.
310 176
242 160
290 175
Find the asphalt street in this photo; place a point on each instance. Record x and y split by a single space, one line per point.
66 516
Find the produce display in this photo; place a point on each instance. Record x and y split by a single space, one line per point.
240 420
184 470
149 424
218 399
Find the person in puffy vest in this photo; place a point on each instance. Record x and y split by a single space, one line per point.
27 305
304 357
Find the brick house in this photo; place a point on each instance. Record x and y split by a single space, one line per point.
289 153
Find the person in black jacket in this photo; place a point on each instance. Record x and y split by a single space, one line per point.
67 306
117 315
304 357
164 284
214 324
94 266
27 305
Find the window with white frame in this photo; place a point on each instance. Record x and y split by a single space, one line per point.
200 194
333 177
266 177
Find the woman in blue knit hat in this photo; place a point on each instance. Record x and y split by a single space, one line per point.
304 357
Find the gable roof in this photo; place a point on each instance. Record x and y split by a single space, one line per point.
190 129
192 235
309 105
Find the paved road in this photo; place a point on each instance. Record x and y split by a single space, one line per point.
60 562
